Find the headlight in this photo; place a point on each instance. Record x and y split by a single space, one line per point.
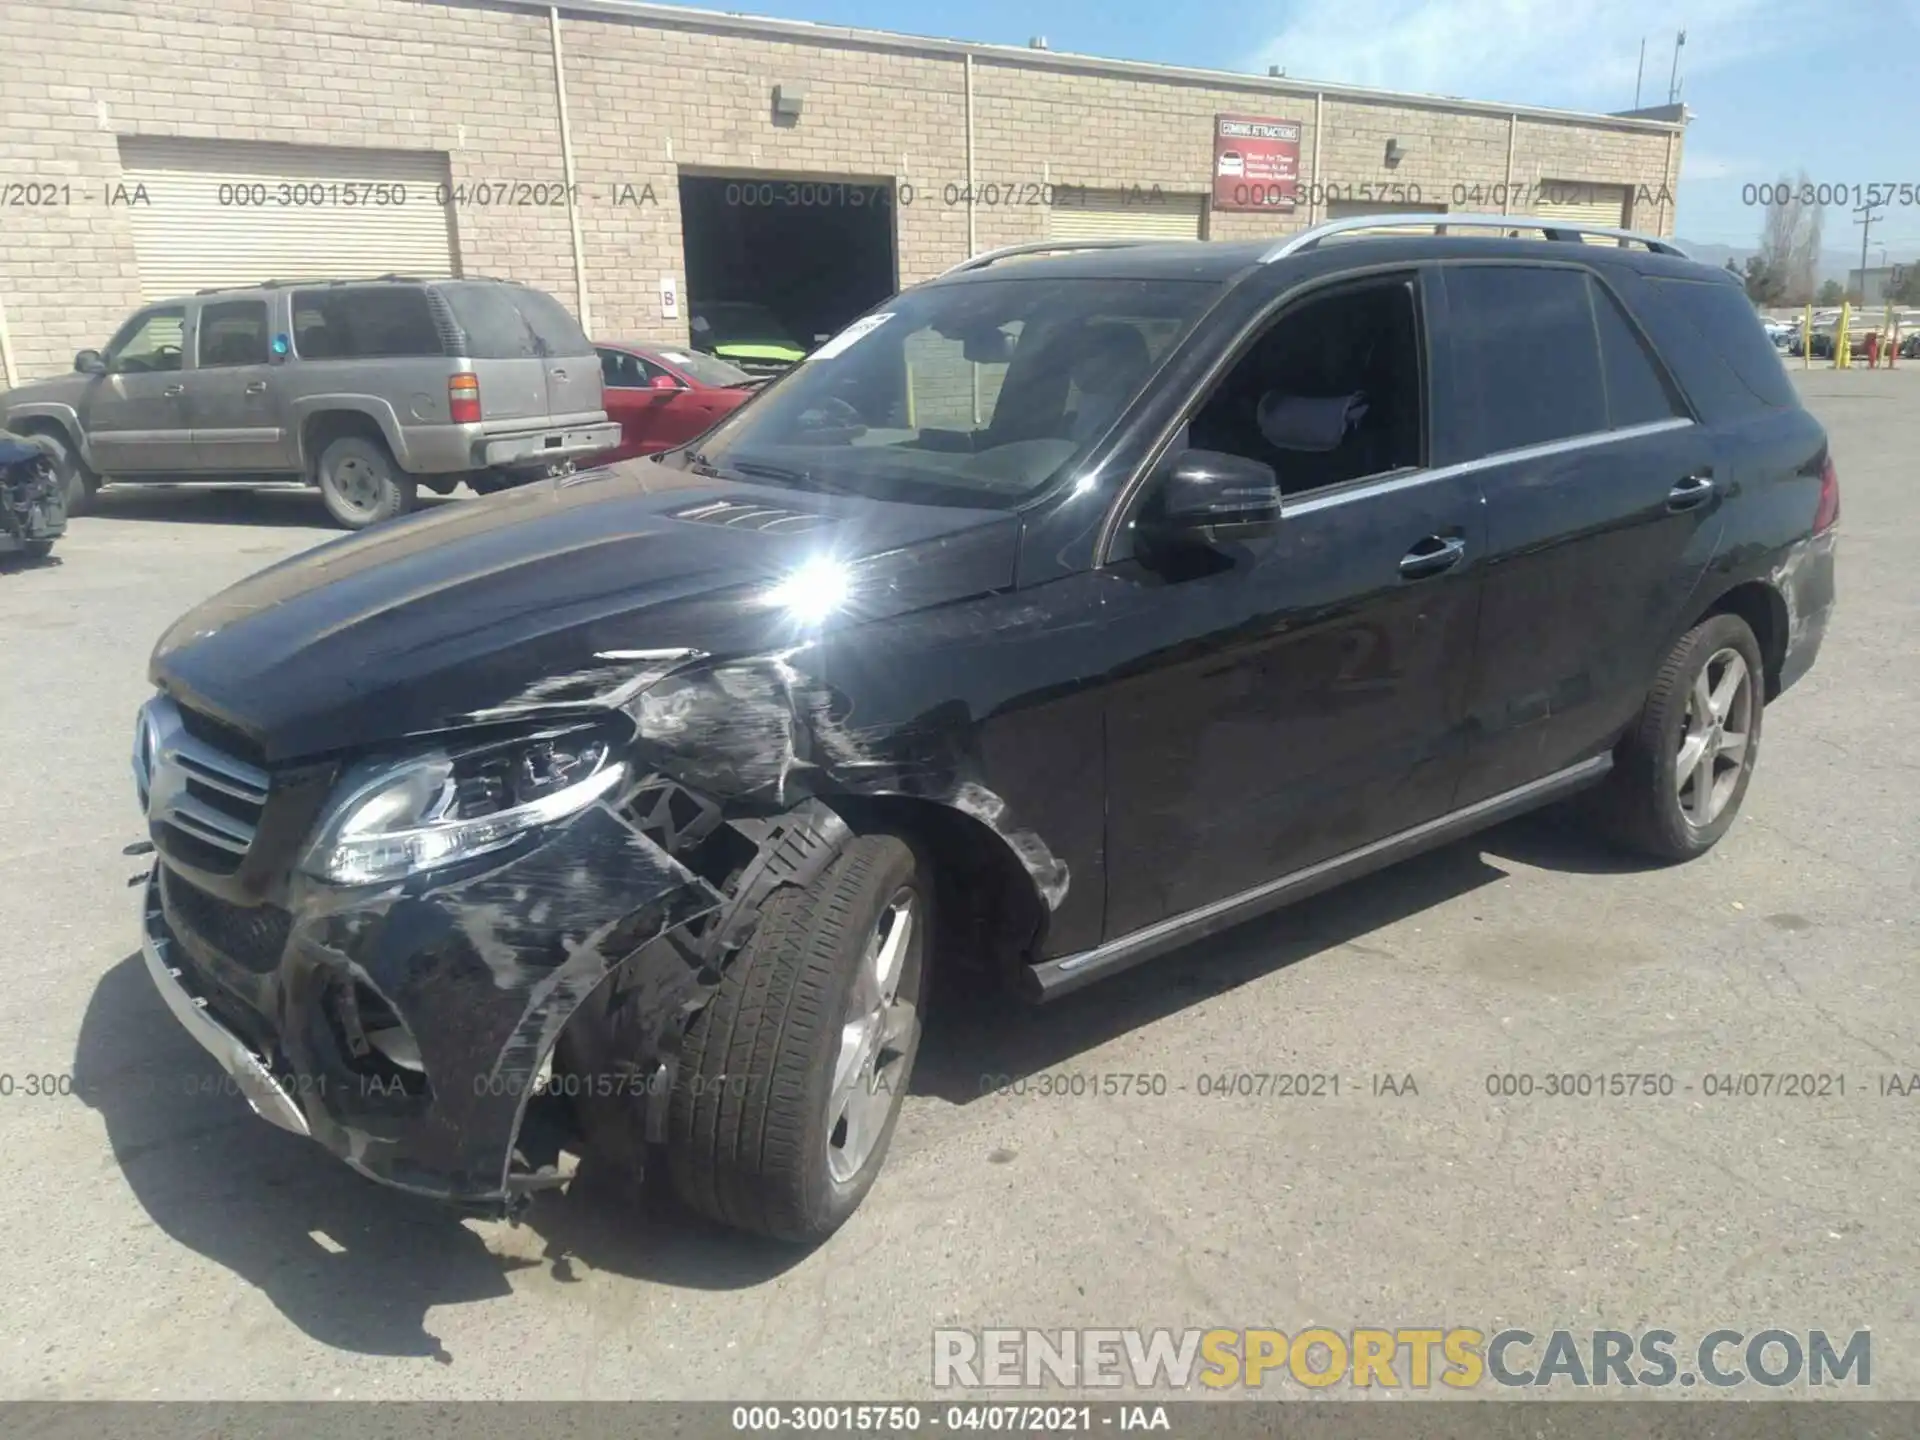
397 818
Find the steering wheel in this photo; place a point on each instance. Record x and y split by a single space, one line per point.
832 413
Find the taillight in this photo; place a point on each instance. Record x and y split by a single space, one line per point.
463 399
1827 514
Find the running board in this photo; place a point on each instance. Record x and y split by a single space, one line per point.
1051 979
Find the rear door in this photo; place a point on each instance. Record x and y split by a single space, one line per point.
1603 507
135 415
572 366
238 415
501 351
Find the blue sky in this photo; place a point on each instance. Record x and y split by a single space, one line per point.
1831 87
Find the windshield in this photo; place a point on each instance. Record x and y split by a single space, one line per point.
978 393
707 369
740 325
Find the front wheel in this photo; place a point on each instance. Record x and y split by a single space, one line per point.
1683 769
361 484
791 1079
78 484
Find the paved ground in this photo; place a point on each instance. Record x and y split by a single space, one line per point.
166 1243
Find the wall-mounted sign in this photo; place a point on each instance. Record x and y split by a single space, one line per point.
1256 163
669 298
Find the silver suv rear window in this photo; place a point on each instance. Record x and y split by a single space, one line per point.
361 322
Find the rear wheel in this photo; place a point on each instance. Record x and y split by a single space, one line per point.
793 1075
1683 769
361 484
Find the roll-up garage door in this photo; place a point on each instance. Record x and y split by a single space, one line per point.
226 212
1579 203
1124 215
1349 209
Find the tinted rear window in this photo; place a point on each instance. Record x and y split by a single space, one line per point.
1527 336
364 322
1724 318
514 322
1637 392
556 330
494 327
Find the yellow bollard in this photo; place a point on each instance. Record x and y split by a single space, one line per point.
1842 339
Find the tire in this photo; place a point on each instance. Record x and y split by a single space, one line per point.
361 484
1647 803
751 1142
78 483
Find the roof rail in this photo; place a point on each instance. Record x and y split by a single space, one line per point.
1042 247
1444 220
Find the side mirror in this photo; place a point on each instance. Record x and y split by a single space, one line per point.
1208 495
89 362
664 382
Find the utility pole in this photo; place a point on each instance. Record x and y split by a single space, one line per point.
1673 80
1865 212
1640 74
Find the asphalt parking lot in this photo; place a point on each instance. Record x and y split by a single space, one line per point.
165 1243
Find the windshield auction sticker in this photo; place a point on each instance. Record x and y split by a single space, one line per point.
851 336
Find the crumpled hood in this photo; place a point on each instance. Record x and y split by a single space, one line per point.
479 606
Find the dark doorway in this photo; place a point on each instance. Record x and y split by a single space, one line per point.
814 253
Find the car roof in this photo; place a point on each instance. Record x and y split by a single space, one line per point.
1224 261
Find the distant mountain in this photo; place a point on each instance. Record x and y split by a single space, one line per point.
1834 264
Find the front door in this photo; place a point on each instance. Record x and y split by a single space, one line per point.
239 424
135 415
1300 695
1603 509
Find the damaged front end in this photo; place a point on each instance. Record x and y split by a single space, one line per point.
33 506
386 956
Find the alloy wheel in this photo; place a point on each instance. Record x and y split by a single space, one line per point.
876 1035
1714 745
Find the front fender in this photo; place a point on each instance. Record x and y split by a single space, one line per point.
60 413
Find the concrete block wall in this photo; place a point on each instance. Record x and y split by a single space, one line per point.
648 96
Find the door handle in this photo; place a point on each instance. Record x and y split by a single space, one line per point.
559 374
1432 556
258 387
1690 492
173 390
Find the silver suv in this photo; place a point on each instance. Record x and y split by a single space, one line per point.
367 389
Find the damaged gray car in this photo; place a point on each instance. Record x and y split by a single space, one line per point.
33 508
1060 612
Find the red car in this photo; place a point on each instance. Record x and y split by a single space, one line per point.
663 397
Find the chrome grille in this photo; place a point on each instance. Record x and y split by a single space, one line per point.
192 787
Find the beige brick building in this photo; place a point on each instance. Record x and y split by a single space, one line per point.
560 138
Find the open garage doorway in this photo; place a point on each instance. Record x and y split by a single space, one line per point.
776 262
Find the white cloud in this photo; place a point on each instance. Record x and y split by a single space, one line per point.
1543 52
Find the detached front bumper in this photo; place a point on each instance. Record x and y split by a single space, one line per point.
407 1028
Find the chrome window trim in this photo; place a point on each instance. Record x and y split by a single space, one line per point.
1366 487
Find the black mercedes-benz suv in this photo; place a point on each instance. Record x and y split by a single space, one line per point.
1064 610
